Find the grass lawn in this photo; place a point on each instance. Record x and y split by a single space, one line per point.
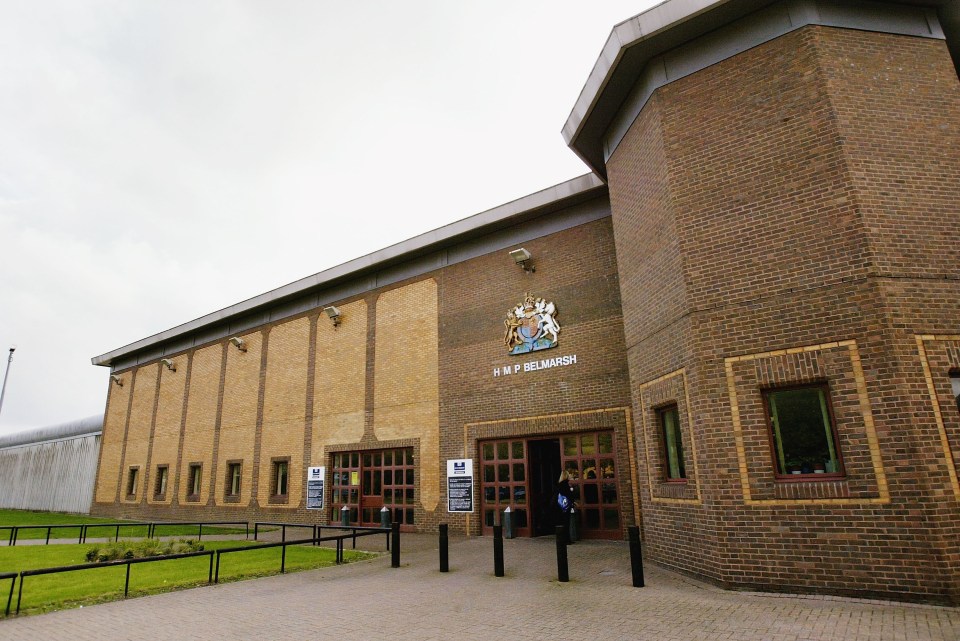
26 517
83 587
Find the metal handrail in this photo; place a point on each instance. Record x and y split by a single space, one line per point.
319 528
13 580
107 564
85 527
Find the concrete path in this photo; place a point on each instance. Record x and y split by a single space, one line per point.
369 600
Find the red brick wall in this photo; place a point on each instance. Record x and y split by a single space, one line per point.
811 188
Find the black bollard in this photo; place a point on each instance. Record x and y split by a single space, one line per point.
444 551
563 572
498 550
395 552
636 558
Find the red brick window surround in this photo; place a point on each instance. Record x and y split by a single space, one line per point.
160 485
194 479
132 477
232 486
802 435
279 479
674 467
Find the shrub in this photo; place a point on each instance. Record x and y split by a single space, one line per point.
140 549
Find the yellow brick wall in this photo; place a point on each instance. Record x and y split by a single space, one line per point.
238 421
284 407
339 389
166 431
201 418
138 435
406 382
111 443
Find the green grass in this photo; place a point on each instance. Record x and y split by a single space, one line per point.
26 517
83 587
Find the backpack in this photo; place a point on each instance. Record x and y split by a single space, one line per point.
563 502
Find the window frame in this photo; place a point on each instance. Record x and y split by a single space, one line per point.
231 495
275 465
954 376
194 483
163 476
133 480
661 411
786 476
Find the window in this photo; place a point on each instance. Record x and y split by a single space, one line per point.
132 482
804 440
672 443
233 480
160 487
195 476
281 469
955 384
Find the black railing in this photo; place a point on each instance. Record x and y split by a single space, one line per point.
312 541
84 528
317 529
109 564
13 580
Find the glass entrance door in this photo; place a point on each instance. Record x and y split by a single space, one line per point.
522 474
368 481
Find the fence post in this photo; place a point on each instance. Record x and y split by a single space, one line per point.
497 550
444 549
20 593
13 580
47 542
126 583
636 556
395 552
200 533
283 558
216 576
210 569
563 571
256 530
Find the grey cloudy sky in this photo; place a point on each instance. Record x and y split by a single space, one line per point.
162 160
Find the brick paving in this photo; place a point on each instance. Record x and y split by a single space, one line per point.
370 600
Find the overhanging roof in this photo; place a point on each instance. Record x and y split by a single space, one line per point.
634 42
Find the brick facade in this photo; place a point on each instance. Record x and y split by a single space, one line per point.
785 215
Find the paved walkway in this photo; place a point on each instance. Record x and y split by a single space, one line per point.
369 601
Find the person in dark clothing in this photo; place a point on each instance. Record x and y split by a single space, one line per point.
565 502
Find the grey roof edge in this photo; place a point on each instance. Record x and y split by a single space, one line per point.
540 202
663 27
72 429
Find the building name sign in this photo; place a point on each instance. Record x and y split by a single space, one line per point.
535 366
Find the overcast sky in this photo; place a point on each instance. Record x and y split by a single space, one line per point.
163 160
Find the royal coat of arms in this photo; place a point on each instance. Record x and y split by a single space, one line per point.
531 326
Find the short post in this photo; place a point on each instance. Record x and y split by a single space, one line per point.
563 571
574 532
508 523
444 548
384 516
345 516
395 552
636 558
497 550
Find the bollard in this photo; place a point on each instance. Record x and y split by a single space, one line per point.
444 548
563 572
395 552
507 523
497 550
636 558
345 516
574 524
384 516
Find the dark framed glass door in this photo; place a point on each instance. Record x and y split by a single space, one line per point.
590 460
503 483
368 481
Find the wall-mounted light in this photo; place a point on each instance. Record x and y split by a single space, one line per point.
239 343
333 314
170 365
116 379
522 257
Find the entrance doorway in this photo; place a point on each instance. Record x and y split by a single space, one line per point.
522 473
366 482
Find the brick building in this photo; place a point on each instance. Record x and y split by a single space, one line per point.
741 331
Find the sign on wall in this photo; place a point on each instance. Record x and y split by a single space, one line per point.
315 487
460 485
